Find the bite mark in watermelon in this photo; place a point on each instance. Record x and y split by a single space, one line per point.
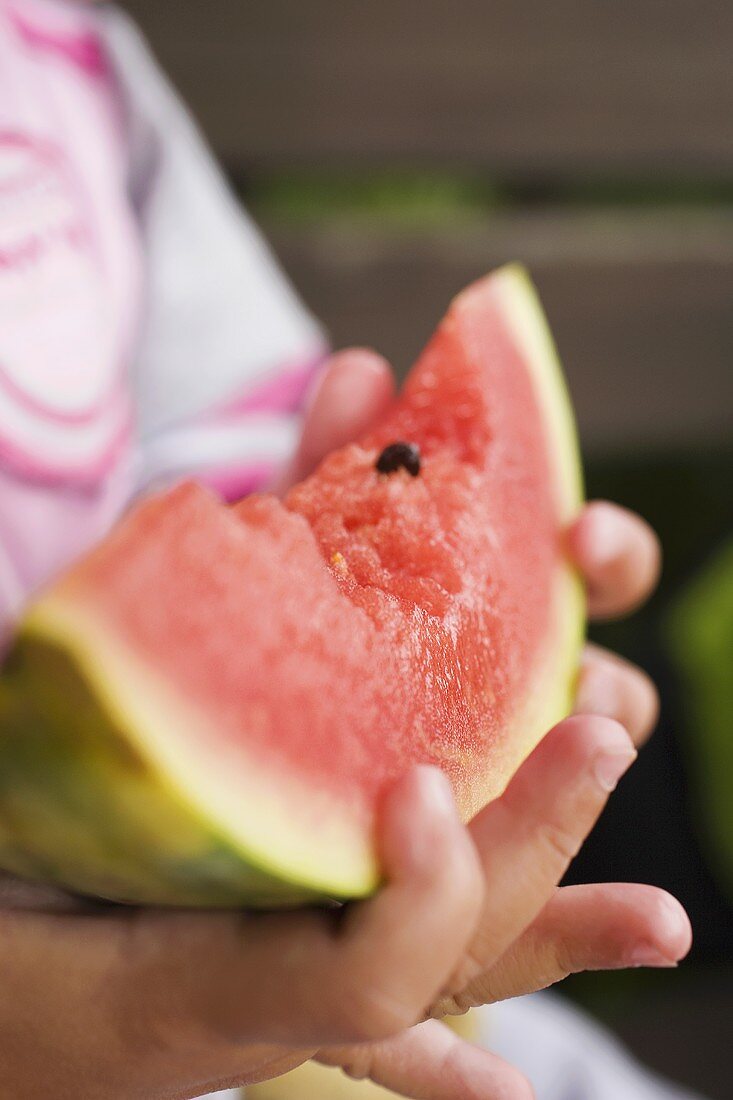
206 709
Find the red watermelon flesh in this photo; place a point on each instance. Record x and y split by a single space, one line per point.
252 678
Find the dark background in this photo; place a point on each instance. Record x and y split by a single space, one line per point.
393 151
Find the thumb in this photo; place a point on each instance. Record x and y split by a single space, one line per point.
354 387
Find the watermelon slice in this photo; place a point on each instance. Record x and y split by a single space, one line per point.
205 710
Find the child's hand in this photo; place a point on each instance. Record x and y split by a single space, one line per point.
155 1005
159 1005
532 933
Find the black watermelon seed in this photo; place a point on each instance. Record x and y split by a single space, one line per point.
400 455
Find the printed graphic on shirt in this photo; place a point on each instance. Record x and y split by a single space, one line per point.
58 332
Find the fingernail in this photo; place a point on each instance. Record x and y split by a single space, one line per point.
609 768
673 927
646 954
436 791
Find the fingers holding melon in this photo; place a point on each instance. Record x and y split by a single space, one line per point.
619 556
366 973
613 687
354 388
527 838
602 926
532 934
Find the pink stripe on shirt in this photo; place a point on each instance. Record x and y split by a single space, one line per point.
237 481
283 392
83 49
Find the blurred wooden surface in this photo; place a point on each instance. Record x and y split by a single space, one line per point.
640 86
535 97
641 307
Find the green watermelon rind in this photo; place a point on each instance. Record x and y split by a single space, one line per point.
60 724
224 854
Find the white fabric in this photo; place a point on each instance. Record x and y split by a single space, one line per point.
566 1055
192 449
69 249
218 309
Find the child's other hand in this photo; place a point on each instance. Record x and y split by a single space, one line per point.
619 557
617 552
532 933
123 1004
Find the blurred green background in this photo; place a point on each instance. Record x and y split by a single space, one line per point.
394 151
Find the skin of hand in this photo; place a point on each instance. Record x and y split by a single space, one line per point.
166 1006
